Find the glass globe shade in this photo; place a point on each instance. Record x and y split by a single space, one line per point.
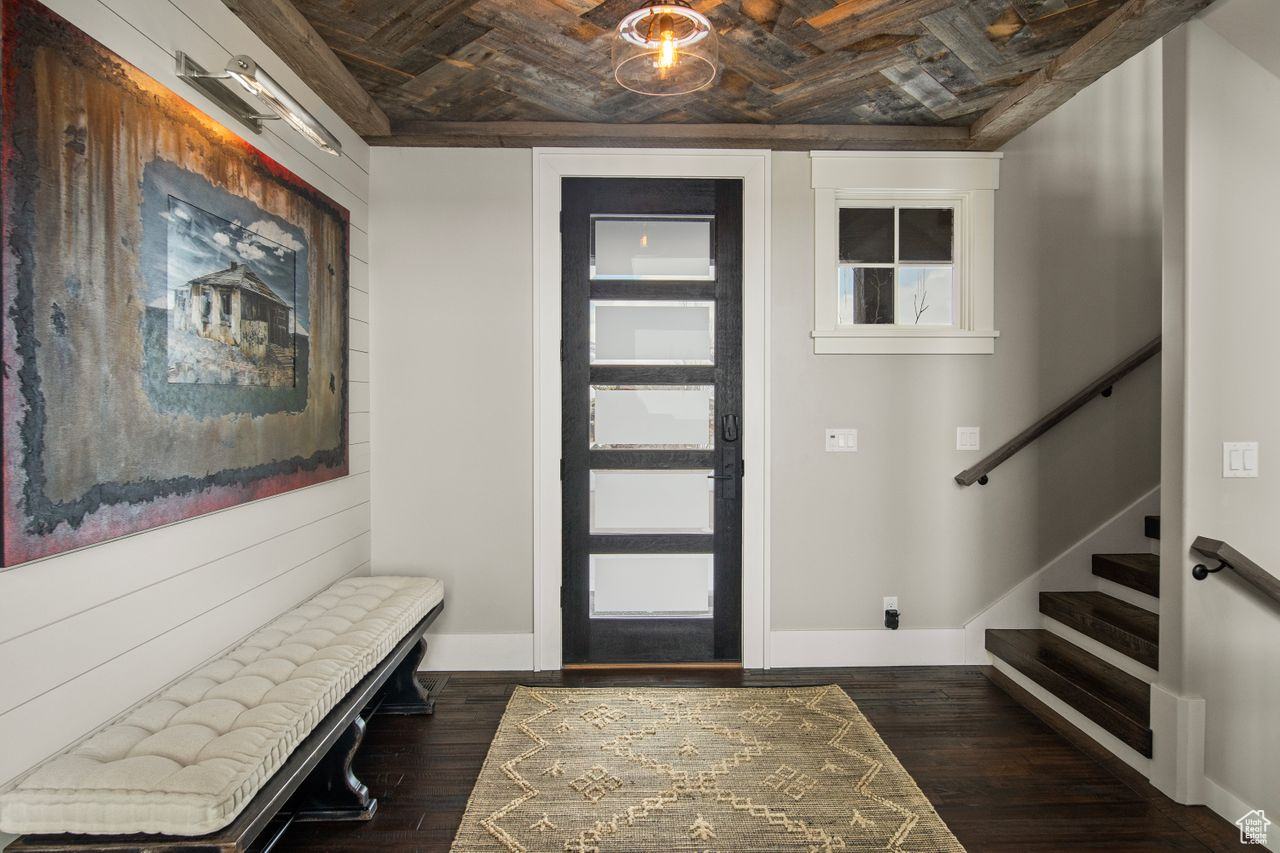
665 49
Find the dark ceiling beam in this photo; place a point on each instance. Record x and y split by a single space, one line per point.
283 28
779 137
1125 33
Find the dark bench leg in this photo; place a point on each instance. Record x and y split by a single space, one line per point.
332 791
403 694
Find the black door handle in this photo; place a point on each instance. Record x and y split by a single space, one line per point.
729 428
728 475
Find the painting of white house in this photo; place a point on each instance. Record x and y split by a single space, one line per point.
231 299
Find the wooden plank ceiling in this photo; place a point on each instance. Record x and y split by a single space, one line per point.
794 73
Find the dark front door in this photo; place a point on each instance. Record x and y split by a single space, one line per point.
652 420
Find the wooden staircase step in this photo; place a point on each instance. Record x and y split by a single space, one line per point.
1112 622
1104 693
1151 526
1136 571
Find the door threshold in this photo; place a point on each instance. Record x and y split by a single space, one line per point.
737 664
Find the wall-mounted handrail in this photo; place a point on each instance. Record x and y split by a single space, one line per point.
1099 387
1229 558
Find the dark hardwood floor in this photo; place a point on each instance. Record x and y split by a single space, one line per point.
1003 778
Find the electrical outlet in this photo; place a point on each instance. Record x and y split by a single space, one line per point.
968 438
891 602
841 440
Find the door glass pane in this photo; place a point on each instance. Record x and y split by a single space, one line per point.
866 235
652 416
652 585
926 296
652 248
627 332
865 295
925 234
652 501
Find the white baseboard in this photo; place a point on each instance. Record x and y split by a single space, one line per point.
1231 808
913 647
478 652
874 647
1070 571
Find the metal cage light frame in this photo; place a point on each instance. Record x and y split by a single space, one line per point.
664 48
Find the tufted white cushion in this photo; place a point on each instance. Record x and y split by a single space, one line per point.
186 760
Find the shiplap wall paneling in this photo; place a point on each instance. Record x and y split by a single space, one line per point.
85 635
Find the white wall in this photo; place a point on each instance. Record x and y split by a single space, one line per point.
1078 288
85 635
1230 118
453 480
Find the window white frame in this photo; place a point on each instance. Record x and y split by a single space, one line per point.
965 181
753 168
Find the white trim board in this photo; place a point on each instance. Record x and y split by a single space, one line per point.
550 165
906 170
867 647
478 652
1177 763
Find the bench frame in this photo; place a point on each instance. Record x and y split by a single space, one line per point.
314 783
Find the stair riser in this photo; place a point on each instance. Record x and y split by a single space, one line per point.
1124 694
1129 596
1126 576
1141 650
1133 733
1025 691
1098 650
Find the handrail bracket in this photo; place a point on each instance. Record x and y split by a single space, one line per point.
1200 571
1241 566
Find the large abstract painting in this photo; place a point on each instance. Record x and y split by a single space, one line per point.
174 304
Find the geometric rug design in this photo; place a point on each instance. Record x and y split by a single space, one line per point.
719 770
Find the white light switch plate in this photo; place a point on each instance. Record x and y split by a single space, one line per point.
968 438
842 440
1239 458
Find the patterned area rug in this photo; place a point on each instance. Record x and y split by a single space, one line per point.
735 770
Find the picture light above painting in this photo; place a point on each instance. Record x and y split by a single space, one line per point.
174 304
257 82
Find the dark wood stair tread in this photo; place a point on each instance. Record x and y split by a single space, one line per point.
1110 621
1104 693
1136 571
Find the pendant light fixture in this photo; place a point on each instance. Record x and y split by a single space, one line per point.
665 48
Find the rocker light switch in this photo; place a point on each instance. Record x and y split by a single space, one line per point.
1239 458
967 438
842 440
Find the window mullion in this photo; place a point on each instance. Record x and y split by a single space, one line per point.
897 258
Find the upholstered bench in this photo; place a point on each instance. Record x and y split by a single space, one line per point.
260 736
